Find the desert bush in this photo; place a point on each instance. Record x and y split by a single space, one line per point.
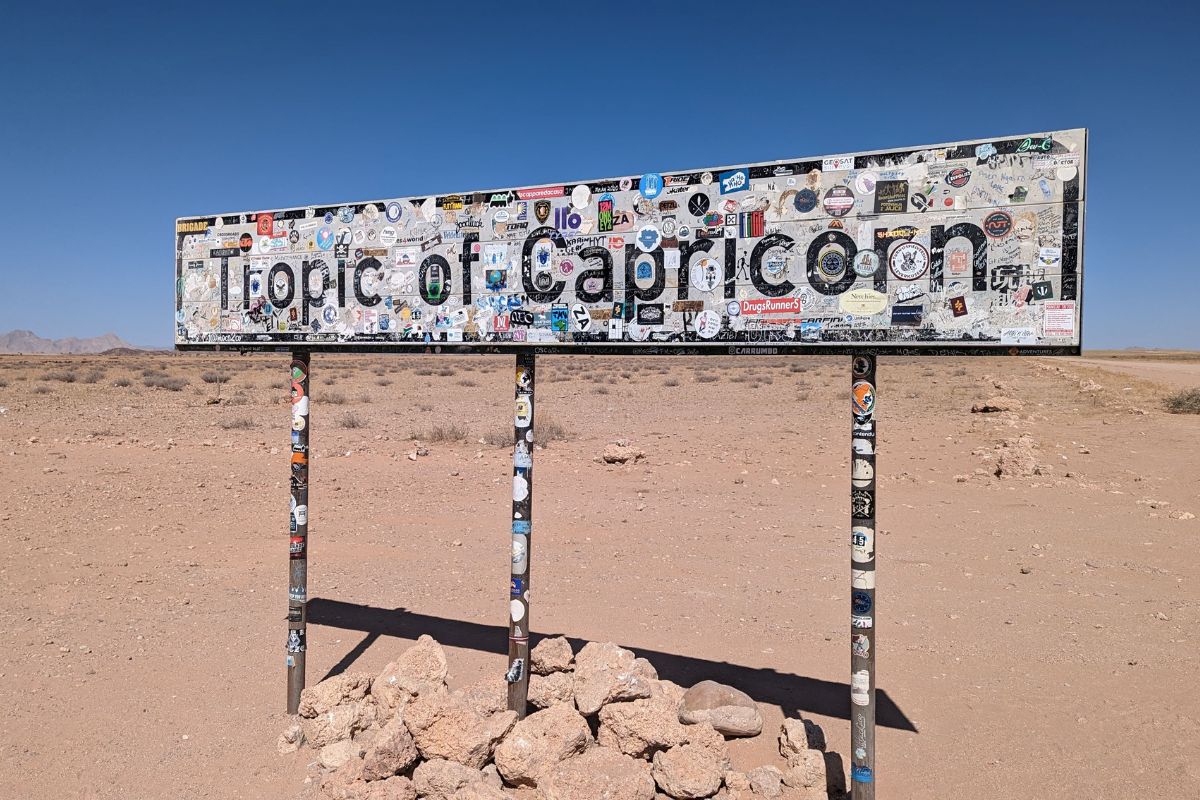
447 432
237 424
166 382
797 368
1185 401
351 421
671 382
3 383
601 390
333 398
708 377
446 372
214 377
384 381
94 376
41 388
958 373
149 372
467 382
122 382
62 376
424 371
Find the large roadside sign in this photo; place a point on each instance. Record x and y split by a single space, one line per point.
970 247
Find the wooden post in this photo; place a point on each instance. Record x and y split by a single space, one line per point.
297 616
522 529
863 616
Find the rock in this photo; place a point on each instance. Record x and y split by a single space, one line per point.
806 769
336 754
335 691
439 779
290 740
338 723
621 453
551 655
395 788
1015 457
548 690
1182 515
798 735
488 696
480 791
392 752
998 403
731 711
641 728
536 744
668 691
605 673
688 771
420 669
491 776
766 781
599 773
444 726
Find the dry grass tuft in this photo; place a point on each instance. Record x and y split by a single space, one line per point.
351 421
214 377
447 432
1185 401
237 424
165 382
122 382
62 376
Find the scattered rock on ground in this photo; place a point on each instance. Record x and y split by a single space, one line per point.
536 744
606 673
998 403
551 655
335 754
731 711
290 740
621 452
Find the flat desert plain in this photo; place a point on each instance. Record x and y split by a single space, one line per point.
1036 627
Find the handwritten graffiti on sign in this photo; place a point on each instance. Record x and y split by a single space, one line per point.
970 246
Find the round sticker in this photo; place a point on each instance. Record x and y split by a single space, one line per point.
698 204
393 212
371 213
1066 173
500 216
805 200
706 178
958 177
838 201
581 195
997 224
862 473
733 308
865 182
669 228
909 261
650 185
648 238
387 236
517 610
866 263
346 214
831 264
862 397
708 324
626 184
706 273
246 243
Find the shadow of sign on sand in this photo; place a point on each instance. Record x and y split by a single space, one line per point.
792 693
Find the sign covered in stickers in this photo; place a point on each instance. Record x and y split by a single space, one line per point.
964 247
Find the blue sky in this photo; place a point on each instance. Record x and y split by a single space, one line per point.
115 120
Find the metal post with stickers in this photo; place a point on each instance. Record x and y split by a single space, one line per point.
971 248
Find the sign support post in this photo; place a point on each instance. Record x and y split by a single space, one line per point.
522 529
863 447
297 616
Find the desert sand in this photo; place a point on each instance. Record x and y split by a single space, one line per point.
1035 628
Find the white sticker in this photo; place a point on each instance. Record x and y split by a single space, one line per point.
862 578
581 195
517 610
860 688
837 163
862 473
524 412
1059 318
520 553
301 515
708 324
520 488
862 544
706 273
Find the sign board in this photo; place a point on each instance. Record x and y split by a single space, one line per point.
969 247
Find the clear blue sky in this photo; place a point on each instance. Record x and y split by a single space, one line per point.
116 119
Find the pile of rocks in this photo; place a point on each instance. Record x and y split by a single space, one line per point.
607 728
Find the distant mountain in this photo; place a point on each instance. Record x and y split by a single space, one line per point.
30 342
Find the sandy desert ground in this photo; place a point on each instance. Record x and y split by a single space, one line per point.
1037 634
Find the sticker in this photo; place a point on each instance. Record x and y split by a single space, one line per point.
733 308
301 513
863 399
524 412
862 504
735 180
997 224
706 273
838 201
860 645
520 553
862 302
648 238
581 195
650 185
517 587
860 601
862 579
837 164
861 622
520 487
698 204
583 319
1058 319
708 324
909 261
958 177
861 774
891 197
862 544
863 447
516 610
805 200
860 688
865 182
866 263
295 641
831 264
862 473
521 457
1066 173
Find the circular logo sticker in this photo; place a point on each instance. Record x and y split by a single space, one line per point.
862 398
866 263
708 324
346 214
393 212
581 195
958 177
838 201
650 185
909 261
648 238
805 200
246 243
831 264
733 308
698 204
371 213
706 273
865 182
997 224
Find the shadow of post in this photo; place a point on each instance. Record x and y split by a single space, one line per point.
792 693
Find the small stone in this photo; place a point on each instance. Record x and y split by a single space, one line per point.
766 781
335 754
806 769
606 673
549 690
290 740
731 711
551 655
392 752
995 404
1026 570
621 452
688 771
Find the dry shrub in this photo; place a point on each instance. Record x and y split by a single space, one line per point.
93 377
467 382
707 377
122 382
446 372
41 388
333 398
446 432
671 382
424 371
797 368
61 376
166 382
384 382
601 390
3 383
214 377
351 421
236 424
958 373
278 384
1185 401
